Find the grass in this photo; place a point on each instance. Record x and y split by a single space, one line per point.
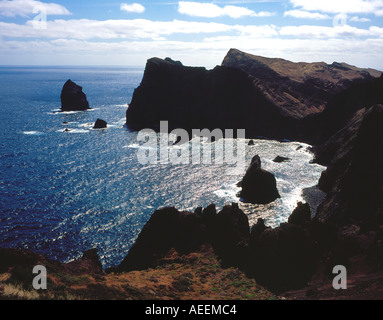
190 277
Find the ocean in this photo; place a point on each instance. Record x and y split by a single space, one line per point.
63 192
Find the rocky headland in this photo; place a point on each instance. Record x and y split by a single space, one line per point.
337 108
267 97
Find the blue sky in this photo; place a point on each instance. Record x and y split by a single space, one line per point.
94 32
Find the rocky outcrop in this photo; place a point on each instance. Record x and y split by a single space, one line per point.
258 185
167 228
100 124
279 159
228 232
266 97
72 97
281 259
297 89
196 98
327 130
301 214
88 264
354 178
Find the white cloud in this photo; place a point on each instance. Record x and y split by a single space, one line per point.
141 29
341 6
85 29
343 31
301 14
134 7
358 19
263 14
210 52
210 10
26 8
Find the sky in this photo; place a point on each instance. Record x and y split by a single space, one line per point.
198 33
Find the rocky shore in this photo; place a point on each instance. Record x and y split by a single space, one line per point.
344 124
174 255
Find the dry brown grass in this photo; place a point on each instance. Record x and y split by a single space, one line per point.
197 276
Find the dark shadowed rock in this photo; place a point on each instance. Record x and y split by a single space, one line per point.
100 124
280 159
282 258
178 63
354 179
256 162
228 232
196 98
209 214
258 185
210 211
167 228
328 129
256 231
72 97
89 264
231 234
14 257
271 96
92 256
301 214
297 89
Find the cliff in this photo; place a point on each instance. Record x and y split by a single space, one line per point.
216 255
279 259
337 108
354 178
348 139
196 98
297 89
266 97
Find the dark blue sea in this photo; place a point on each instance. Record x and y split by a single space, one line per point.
63 192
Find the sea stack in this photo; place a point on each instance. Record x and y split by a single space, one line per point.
72 97
258 185
100 124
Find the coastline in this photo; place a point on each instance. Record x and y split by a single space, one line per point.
342 228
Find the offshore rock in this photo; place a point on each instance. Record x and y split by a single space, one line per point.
280 159
72 97
258 185
100 124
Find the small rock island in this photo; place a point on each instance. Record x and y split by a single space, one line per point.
73 98
258 185
100 124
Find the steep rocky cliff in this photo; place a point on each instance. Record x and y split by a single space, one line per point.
297 89
196 98
266 97
354 178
